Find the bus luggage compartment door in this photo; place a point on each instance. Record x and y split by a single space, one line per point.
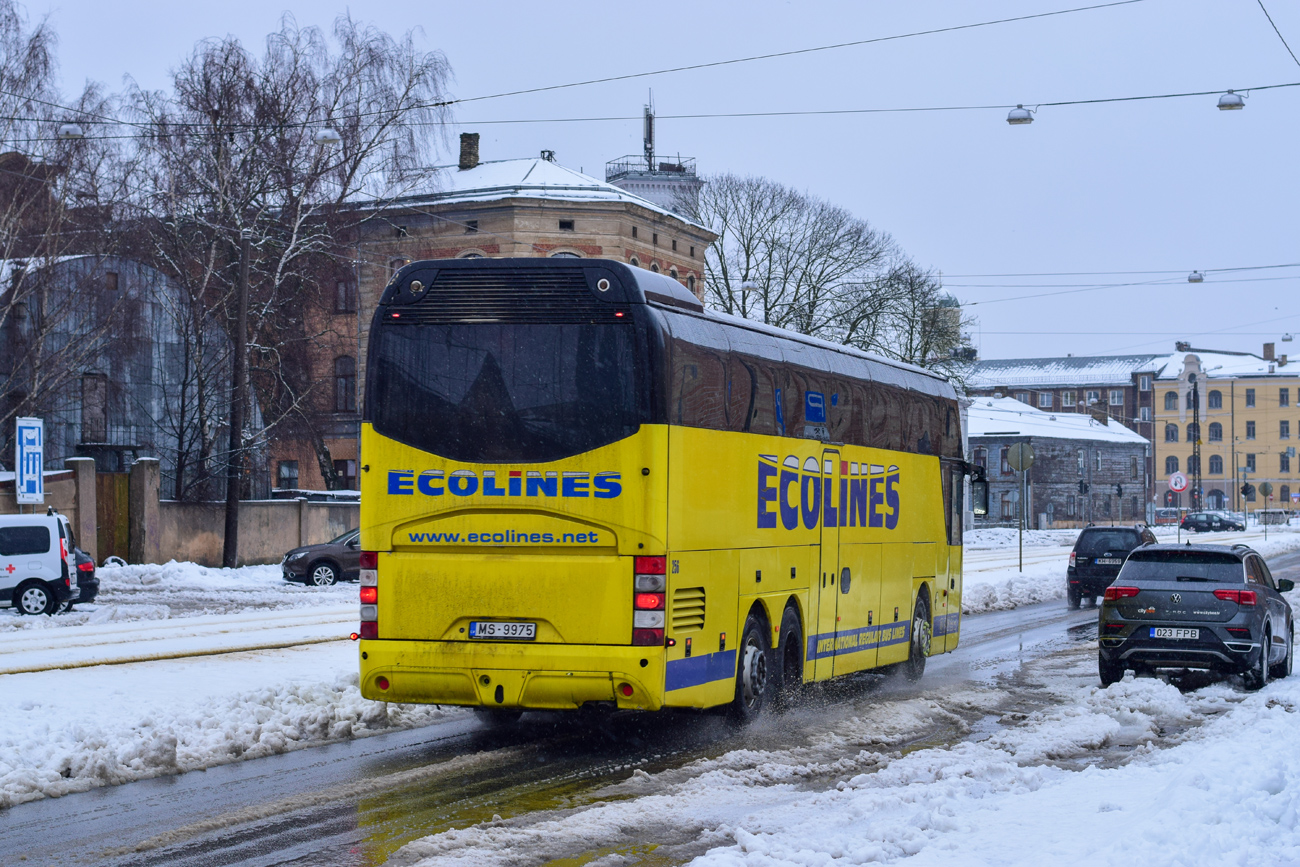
827 592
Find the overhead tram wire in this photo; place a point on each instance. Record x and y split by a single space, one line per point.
1278 32
1107 273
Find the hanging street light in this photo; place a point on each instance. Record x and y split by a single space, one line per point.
328 137
1196 277
1231 102
71 132
1020 115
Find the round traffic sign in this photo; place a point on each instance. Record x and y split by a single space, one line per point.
1178 483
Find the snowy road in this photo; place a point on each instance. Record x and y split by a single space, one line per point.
357 802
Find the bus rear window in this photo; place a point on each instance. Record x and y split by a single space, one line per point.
499 392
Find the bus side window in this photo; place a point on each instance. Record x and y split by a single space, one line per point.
742 382
699 383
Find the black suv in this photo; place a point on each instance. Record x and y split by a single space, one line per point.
1196 607
1205 522
1098 555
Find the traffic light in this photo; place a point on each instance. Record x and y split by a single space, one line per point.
1247 490
1083 486
1119 490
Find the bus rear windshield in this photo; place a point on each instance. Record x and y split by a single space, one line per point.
501 392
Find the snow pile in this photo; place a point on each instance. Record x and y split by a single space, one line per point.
1032 793
994 538
69 731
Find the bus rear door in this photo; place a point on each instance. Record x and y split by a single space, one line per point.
827 592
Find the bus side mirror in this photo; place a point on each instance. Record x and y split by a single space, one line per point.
979 496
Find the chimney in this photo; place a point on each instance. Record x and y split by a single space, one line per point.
468 150
1281 361
1099 413
1268 352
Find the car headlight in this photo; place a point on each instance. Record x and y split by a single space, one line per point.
297 556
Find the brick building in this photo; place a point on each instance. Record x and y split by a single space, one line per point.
1070 449
520 207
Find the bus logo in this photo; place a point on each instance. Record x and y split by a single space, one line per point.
533 484
807 493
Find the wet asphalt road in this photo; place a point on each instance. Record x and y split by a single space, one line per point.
357 802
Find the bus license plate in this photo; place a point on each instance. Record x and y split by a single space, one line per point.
1109 561
496 629
1176 634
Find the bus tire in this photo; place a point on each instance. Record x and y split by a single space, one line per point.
790 652
496 719
754 676
919 646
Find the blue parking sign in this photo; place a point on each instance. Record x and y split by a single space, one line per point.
29 461
814 407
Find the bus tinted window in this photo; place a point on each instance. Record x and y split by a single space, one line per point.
496 392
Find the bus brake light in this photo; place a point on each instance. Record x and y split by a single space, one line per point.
648 602
650 565
370 594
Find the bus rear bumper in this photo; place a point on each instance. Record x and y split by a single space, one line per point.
516 676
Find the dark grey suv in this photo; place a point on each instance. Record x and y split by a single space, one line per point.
1209 607
1098 555
326 563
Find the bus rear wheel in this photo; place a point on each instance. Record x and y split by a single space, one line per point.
754 678
919 646
790 651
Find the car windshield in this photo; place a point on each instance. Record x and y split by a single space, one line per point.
1101 541
1183 566
345 538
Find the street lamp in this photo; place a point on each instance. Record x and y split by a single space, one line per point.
328 137
1196 277
1020 115
1231 102
71 132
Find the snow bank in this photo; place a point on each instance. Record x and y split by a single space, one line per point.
72 730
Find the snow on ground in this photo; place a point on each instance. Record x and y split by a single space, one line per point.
993 581
70 730
1139 773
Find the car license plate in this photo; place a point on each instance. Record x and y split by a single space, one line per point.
509 631
1175 633
1109 561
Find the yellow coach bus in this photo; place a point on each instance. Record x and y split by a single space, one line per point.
579 487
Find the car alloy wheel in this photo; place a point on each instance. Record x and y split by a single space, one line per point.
323 575
35 599
1257 677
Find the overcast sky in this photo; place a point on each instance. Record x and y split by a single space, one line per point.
1164 185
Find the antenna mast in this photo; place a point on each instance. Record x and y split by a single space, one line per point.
649 134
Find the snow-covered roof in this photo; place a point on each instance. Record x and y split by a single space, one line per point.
1069 371
1218 365
1005 416
526 179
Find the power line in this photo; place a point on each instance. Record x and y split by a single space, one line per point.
1278 32
1107 273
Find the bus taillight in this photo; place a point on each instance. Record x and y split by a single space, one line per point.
649 584
369 581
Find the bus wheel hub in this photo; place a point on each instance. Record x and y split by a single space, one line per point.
755 673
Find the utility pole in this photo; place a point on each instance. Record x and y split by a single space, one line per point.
1196 447
238 394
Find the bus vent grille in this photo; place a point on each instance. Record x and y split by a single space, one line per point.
559 295
688 608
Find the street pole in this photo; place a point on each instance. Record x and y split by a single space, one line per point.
238 390
1022 520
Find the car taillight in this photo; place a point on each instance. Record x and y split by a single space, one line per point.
649 584
1073 558
85 567
1241 597
369 580
1113 593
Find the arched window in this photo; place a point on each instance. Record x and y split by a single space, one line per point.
1216 432
1193 433
345 384
1171 400
1216 465
1193 464
980 457
634 262
690 282
1284 494
1216 400
1216 499
654 266
1171 465
1171 433
1187 400
470 255
672 272
565 254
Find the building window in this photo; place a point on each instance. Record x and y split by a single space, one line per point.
94 408
110 281
1097 455
634 262
1216 465
1005 464
1144 383
1250 430
470 255
345 297
1173 500
565 254
654 266
1044 400
1067 400
345 384
1069 505
566 225
1216 432
1171 465
654 237
1284 463
674 245
1117 397
1144 413
1022 396
396 264
1193 433
1093 397
1187 402
1079 455
400 231
1284 494
692 252
1250 397
690 282
980 457
1171 400
471 227
1216 400
1171 433
634 231
346 471
286 474
1193 464
1133 467
672 272
1284 397
1284 430
1105 507
1008 507
1250 496
1250 463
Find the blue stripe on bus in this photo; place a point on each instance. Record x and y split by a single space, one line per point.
946 624
696 670
855 640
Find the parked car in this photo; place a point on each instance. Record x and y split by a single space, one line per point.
37 569
1098 554
326 563
1206 522
87 579
1209 607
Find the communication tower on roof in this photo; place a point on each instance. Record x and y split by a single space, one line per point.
660 179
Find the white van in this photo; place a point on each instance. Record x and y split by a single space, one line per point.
38 571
